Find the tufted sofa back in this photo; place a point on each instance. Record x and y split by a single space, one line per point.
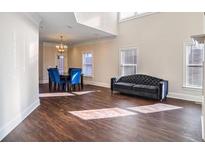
140 79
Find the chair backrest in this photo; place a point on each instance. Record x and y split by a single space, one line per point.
50 74
140 79
71 68
75 75
54 75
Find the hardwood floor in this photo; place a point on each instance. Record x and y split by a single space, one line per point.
51 121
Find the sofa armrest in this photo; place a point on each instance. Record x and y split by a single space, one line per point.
112 81
163 89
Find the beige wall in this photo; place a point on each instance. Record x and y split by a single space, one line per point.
159 38
48 58
19 94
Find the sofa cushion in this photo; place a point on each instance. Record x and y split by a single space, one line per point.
145 88
140 79
122 85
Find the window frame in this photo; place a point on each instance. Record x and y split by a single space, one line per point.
92 64
59 57
120 59
135 16
189 43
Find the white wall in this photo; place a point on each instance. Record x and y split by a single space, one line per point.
105 21
19 94
159 39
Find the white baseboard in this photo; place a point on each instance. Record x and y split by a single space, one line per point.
188 97
43 81
100 84
7 128
202 99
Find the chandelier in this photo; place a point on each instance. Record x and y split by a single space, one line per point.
61 47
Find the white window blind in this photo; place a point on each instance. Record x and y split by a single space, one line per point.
61 64
128 61
194 65
87 64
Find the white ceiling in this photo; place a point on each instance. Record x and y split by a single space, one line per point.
55 24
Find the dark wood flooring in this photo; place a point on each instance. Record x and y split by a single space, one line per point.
52 122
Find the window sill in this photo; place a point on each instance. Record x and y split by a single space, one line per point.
88 76
193 88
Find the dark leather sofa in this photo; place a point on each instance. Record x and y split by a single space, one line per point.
141 85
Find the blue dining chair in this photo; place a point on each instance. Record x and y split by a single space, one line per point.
71 68
54 77
75 77
51 79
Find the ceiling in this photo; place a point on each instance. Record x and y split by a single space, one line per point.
55 24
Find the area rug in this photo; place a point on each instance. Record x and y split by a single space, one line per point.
159 107
101 113
55 94
84 92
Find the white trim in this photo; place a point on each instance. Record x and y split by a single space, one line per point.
119 60
84 52
43 81
188 97
203 128
202 99
100 84
126 18
88 76
9 126
199 89
185 44
136 16
203 119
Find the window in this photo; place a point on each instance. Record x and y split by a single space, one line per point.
87 64
126 15
61 64
129 15
128 61
194 56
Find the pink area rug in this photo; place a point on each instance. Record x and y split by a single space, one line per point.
101 113
55 94
159 107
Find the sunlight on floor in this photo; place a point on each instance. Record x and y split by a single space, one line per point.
64 94
55 94
102 113
85 92
159 107
117 112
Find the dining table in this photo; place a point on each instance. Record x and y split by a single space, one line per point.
66 76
